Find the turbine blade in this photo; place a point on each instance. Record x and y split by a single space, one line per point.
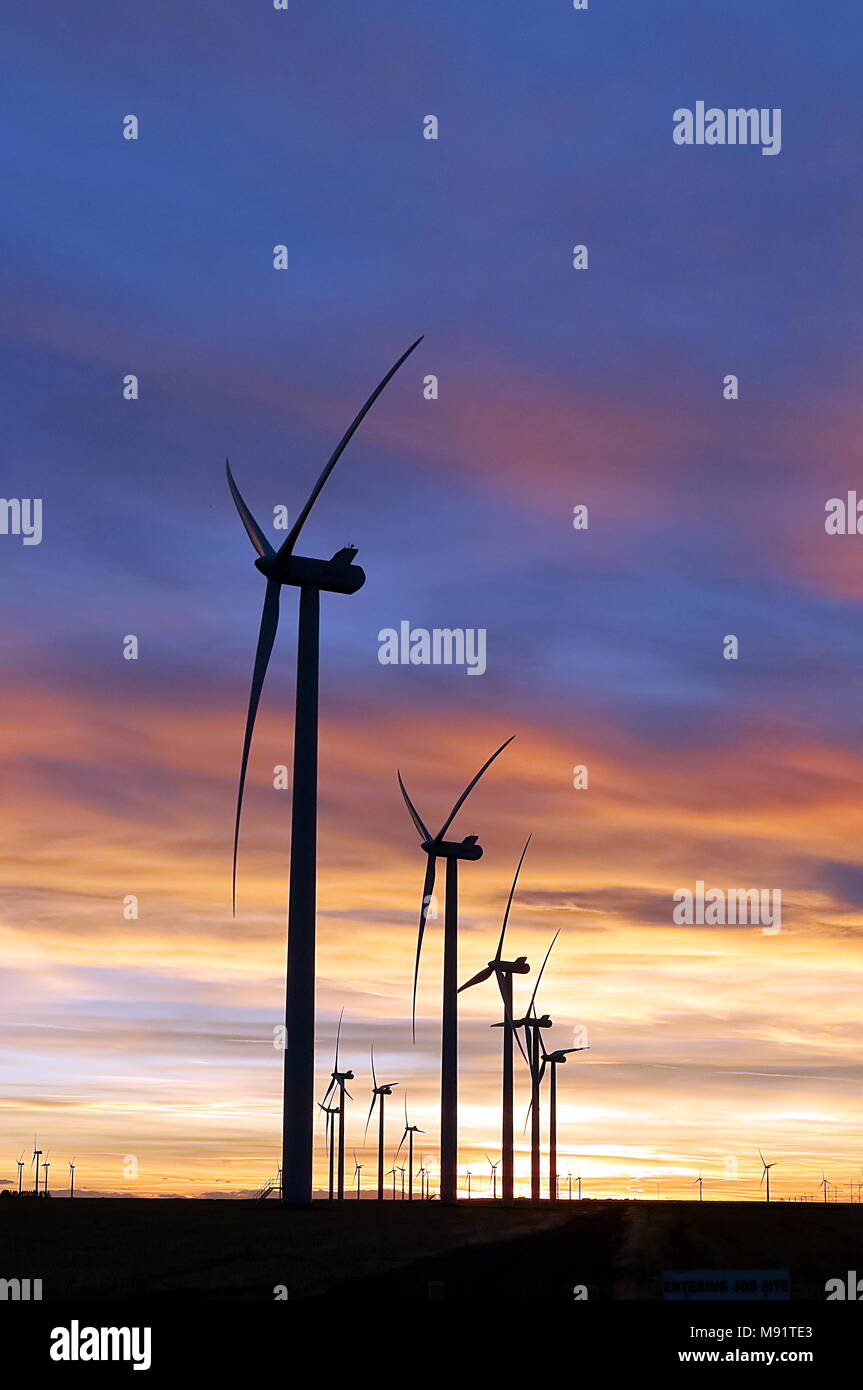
428 885
338 1036
290 541
542 968
401 1141
469 788
498 952
478 978
424 832
256 535
266 638
369 1117
374 1078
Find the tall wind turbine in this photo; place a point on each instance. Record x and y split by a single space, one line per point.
533 1027
409 1132
336 576
20 1173
72 1177
503 971
37 1154
437 847
45 1166
378 1095
391 1173
765 1172
554 1060
338 1081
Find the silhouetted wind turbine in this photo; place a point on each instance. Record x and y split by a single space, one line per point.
503 971
493 1178
378 1094
392 1174
765 1172
45 1166
330 1112
699 1182
554 1060
467 1175
20 1162
409 1132
37 1154
358 1168
337 1083
72 1177
825 1183
533 1027
436 847
337 576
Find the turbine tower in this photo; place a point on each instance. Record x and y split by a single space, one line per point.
825 1183
378 1095
765 1172
337 1083
45 1166
37 1154
72 1177
338 575
409 1132
20 1162
436 847
358 1168
503 971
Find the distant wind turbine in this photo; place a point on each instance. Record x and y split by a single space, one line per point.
533 1027
337 1083
554 1060
37 1154
72 1177
45 1166
765 1174
492 1182
330 1112
409 1132
358 1168
338 575
20 1172
699 1183
392 1174
825 1184
437 847
503 971
379 1092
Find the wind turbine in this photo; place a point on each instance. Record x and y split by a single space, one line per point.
378 1094
765 1172
409 1132
554 1060
825 1183
20 1162
37 1154
421 1174
699 1182
533 1026
330 1112
493 1178
358 1168
569 1182
45 1166
338 575
72 1177
337 1083
392 1174
436 847
503 971
467 1175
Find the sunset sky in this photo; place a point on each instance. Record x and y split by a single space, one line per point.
145 1048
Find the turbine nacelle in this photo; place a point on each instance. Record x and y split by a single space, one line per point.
468 848
335 576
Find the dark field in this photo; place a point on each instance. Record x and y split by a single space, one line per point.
233 1250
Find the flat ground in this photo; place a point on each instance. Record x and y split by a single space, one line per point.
235 1250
